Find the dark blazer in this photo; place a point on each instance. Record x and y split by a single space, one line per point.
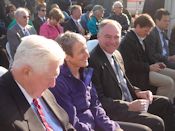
154 46
16 113
15 34
106 83
136 61
37 22
70 25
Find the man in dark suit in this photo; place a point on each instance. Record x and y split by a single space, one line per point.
140 71
121 100
40 18
19 30
158 41
73 24
25 103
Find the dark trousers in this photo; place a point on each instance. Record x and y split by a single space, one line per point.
159 118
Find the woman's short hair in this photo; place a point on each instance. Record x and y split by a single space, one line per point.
68 40
57 14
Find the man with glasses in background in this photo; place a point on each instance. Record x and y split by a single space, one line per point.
19 30
40 18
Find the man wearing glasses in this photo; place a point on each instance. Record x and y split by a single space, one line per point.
19 30
41 16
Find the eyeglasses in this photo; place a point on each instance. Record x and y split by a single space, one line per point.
25 17
43 10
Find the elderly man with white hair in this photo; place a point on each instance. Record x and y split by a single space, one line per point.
19 30
119 16
25 102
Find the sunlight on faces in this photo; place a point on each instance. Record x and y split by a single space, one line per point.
79 56
109 38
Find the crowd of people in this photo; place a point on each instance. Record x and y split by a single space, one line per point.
50 81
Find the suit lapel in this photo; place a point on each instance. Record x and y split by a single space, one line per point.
74 26
24 107
156 34
105 62
19 30
60 114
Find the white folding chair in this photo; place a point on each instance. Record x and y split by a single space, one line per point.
9 54
91 44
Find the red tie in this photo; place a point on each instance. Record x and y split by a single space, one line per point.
39 108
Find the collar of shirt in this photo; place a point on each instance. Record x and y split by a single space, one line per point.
27 96
75 21
22 28
140 38
109 56
42 18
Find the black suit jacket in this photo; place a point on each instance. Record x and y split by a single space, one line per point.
106 83
16 113
37 22
70 25
153 43
136 61
154 46
15 34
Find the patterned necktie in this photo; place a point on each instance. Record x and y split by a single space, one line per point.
42 116
165 44
122 82
26 33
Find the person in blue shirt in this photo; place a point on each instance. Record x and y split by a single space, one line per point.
97 15
75 92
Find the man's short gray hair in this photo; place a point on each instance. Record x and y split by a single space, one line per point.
109 21
37 52
19 11
117 4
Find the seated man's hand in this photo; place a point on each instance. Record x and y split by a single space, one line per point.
137 105
155 67
145 95
171 58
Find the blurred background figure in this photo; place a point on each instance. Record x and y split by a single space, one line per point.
10 14
172 42
51 29
118 15
73 24
40 17
85 17
20 29
97 15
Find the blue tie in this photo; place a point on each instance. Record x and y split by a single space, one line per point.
165 44
122 82
49 116
26 33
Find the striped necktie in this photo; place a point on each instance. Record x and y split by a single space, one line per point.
41 114
122 82
26 33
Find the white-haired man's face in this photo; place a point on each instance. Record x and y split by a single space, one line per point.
23 19
39 81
